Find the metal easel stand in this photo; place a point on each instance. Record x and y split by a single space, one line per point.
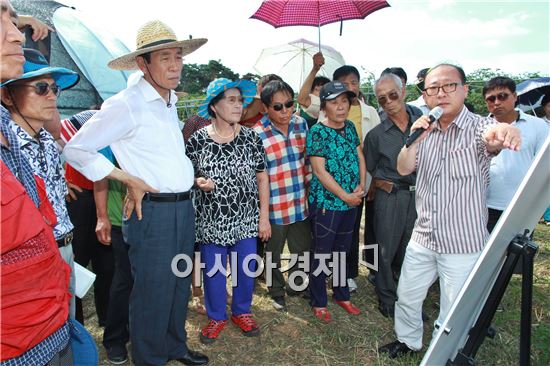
521 247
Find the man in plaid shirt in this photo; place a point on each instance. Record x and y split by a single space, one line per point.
284 138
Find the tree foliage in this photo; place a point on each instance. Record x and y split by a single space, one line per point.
196 77
475 80
252 77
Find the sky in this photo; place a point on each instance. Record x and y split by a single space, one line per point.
513 36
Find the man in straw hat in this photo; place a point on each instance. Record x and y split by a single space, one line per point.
140 124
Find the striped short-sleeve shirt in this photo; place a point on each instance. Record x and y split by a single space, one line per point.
452 179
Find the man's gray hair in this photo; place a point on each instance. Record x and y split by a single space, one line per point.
397 81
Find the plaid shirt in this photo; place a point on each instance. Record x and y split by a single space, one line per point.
288 169
14 159
44 351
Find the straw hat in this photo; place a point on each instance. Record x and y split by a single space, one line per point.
154 36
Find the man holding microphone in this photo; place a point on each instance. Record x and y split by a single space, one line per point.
451 159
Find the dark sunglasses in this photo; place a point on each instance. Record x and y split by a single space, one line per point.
392 96
279 106
500 96
42 88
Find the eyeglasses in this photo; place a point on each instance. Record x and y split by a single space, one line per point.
500 96
279 106
392 96
42 88
447 88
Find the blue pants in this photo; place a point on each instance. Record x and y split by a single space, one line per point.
158 301
332 231
215 293
547 214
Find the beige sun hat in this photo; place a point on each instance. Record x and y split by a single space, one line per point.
154 36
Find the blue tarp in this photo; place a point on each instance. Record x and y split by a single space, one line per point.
80 45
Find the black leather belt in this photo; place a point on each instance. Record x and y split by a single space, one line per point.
66 240
403 187
167 197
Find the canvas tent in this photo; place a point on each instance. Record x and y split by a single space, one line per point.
80 45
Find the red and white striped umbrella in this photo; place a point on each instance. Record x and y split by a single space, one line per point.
283 13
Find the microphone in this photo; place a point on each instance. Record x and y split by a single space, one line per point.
434 115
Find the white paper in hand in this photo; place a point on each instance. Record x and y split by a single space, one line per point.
84 279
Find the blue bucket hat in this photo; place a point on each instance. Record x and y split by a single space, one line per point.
37 65
218 86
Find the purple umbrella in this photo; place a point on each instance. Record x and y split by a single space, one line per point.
283 13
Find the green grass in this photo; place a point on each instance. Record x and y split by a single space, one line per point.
297 338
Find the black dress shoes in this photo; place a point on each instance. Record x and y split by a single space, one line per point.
396 349
117 355
193 358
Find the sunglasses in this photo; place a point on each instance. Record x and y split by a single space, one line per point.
42 88
500 96
279 106
392 96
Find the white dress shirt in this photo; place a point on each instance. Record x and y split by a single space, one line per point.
509 167
144 136
420 103
314 106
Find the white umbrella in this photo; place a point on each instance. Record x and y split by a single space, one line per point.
293 61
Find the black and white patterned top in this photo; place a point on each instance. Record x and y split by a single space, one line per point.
45 161
231 211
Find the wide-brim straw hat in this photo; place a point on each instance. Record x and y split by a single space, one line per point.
154 36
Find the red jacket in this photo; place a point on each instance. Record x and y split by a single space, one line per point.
34 278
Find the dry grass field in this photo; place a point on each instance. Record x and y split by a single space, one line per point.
297 338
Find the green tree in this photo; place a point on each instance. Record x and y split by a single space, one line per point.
479 77
196 77
412 92
367 87
476 80
252 77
